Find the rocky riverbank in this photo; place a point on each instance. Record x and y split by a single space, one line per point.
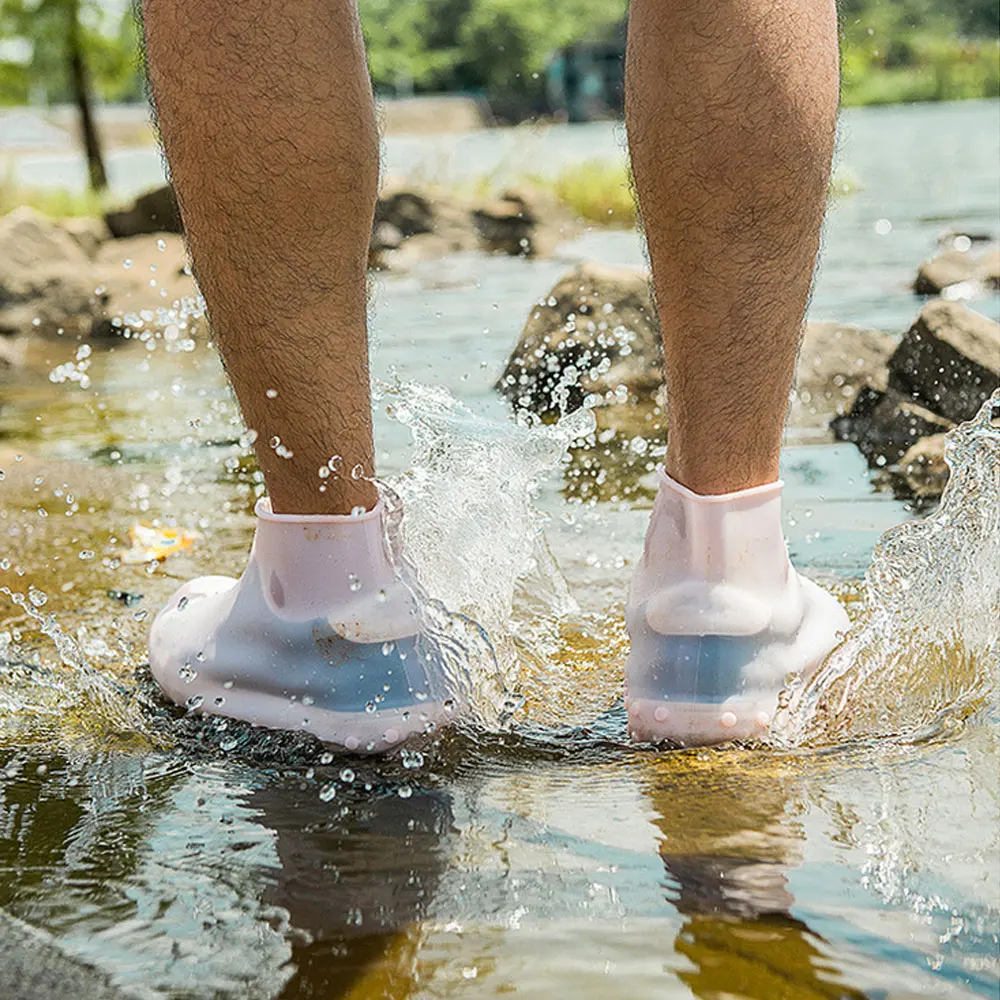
593 340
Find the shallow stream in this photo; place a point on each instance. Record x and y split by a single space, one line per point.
856 856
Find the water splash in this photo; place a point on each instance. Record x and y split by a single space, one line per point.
472 536
79 707
927 648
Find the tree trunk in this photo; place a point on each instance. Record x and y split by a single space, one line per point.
81 95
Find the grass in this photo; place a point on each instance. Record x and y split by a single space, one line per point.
596 191
54 202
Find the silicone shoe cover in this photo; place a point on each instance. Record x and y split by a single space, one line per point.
718 618
318 634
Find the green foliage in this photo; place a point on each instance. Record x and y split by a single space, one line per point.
58 203
918 50
893 50
499 46
110 47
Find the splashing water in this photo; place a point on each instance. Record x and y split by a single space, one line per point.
472 483
928 647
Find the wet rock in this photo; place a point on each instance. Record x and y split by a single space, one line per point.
594 335
948 361
835 361
87 233
386 236
47 281
154 211
508 226
923 470
957 266
885 425
408 212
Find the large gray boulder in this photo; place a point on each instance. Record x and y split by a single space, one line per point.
47 282
885 425
948 361
594 335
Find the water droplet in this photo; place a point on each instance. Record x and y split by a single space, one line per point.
182 603
87 554
357 472
127 263
326 758
412 758
195 701
359 511
381 597
353 582
187 674
388 647
229 744
405 791
369 707
324 472
307 699
37 597
161 245
449 705
347 775
328 791
228 685
271 393
219 701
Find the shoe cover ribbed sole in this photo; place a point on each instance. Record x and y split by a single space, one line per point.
691 690
359 732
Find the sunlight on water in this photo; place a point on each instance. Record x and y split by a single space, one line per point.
928 647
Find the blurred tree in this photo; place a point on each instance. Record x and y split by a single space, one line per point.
495 45
70 47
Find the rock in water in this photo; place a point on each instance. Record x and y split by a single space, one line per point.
948 361
923 468
507 226
885 425
594 335
835 361
956 266
47 282
155 211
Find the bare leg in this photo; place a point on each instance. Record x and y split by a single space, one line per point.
267 120
731 110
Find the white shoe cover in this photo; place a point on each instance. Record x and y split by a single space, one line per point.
318 634
718 618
